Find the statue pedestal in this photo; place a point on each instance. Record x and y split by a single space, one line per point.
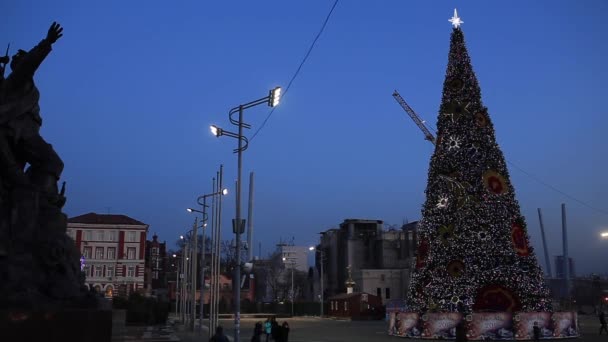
61 326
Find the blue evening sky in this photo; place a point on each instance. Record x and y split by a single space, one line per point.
129 92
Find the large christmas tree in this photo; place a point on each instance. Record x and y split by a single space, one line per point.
473 250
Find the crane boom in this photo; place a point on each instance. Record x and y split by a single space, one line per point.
427 134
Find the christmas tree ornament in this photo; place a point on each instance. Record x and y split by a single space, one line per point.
481 119
443 202
455 268
456 109
423 251
474 150
494 182
453 144
518 237
455 84
446 233
455 20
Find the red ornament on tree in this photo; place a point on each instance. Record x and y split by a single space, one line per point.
518 237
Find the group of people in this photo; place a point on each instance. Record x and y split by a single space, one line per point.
270 328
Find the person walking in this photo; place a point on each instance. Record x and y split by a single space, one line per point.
268 328
602 318
257 332
536 331
219 335
285 332
275 328
461 332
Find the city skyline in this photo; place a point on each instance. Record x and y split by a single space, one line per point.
129 105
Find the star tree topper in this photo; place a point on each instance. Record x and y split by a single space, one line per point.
455 20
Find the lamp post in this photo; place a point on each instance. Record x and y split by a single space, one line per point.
312 248
224 192
293 295
272 100
186 310
176 286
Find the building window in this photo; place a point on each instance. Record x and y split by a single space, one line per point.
87 270
154 250
345 306
131 253
155 275
99 253
88 235
379 292
98 271
131 237
131 271
388 293
87 252
110 271
100 235
111 252
111 236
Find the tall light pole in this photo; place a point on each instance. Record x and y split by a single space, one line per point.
312 248
238 225
187 269
224 192
194 242
293 294
176 286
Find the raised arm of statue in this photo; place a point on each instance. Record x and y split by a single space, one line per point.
24 64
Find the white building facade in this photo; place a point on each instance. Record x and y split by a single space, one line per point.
295 256
113 247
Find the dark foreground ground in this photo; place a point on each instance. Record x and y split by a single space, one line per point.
327 330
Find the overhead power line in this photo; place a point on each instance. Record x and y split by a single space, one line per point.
297 70
431 137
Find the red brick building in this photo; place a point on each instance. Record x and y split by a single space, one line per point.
155 277
113 247
357 305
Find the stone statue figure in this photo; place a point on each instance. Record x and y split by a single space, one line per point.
39 262
20 122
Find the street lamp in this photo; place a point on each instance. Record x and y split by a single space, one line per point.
187 273
312 248
271 100
604 234
293 295
223 192
177 286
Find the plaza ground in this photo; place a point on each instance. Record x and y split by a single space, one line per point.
313 329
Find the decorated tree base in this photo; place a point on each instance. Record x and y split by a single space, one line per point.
483 325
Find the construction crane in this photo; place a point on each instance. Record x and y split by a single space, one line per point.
427 134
